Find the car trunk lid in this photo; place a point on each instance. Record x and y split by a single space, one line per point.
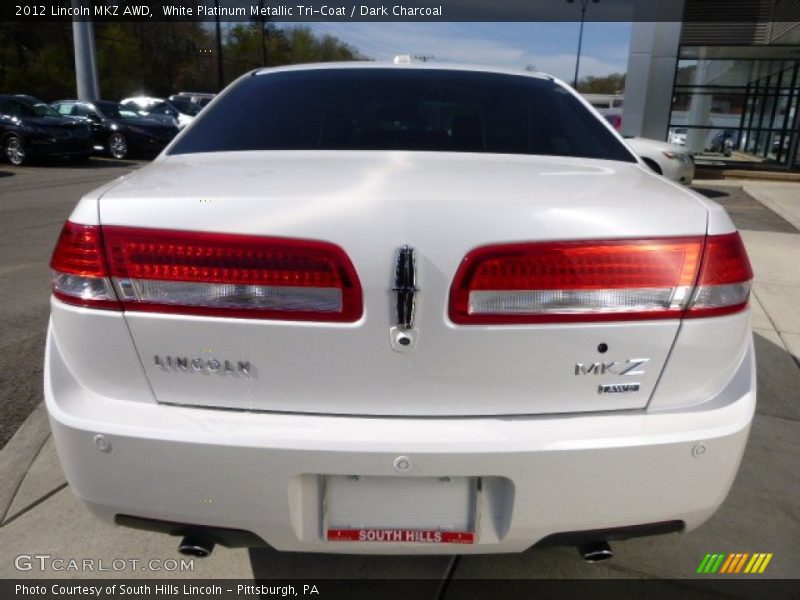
372 204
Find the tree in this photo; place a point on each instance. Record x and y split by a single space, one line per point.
284 47
151 58
610 84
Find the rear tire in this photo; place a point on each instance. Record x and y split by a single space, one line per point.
14 150
117 146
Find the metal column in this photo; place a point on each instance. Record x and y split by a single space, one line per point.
85 65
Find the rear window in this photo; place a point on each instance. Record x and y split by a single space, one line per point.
401 109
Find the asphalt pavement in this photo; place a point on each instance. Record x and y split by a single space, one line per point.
34 203
39 513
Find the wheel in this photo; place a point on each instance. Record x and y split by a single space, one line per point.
14 150
117 146
653 165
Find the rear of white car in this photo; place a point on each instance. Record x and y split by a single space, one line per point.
388 319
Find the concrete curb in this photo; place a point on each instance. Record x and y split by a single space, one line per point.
18 455
713 174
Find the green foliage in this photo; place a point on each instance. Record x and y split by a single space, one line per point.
610 84
36 58
152 58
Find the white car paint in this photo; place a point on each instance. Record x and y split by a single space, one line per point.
498 403
677 136
674 162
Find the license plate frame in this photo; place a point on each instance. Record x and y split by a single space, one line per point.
427 510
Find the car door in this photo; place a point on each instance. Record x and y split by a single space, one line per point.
99 132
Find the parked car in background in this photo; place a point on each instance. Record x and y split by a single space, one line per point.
30 99
399 308
34 130
608 105
118 131
199 98
678 136
670 160
163 109
723 142
186 106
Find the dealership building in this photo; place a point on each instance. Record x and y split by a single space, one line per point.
729 91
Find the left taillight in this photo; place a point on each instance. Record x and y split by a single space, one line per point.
200 273
79 273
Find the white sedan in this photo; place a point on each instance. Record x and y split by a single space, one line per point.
180 112
670 160
378 308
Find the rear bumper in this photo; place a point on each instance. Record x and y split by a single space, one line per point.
259 472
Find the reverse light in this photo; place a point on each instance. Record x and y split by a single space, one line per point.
198 273
601 280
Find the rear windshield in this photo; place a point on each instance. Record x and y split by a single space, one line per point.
401 109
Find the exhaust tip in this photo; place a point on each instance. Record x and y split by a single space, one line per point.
596 552
196 546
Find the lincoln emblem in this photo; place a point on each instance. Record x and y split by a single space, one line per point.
405 287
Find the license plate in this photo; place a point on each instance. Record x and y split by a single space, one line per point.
402 510
414 536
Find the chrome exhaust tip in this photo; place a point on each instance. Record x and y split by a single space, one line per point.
596 552
194 545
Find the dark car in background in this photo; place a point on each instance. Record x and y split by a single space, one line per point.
201 99
117 131
723 142
34 130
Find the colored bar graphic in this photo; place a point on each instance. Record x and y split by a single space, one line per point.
764 564
703 563
741 562
735 562
727 564
718 562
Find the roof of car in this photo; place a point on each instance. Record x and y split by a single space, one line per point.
413 65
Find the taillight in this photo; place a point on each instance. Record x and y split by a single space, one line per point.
601 280
78 268
230 275
725 278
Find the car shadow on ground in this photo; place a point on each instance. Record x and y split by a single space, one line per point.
97 162
93 163
710 193
272 564
745 211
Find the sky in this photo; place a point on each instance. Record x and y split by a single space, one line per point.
549 47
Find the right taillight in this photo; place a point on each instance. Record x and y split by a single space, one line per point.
604 280
203 273
723 285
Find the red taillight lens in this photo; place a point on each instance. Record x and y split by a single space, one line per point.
595 280
725 278
78 268
232 275
205 274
